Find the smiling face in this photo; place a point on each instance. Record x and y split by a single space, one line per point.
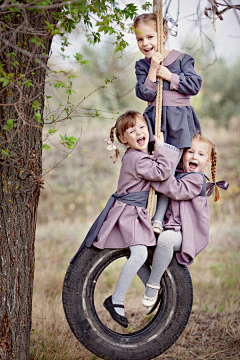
146 36
137 136
197 157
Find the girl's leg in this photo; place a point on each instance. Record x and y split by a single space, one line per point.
133 264
162 205
168 242
144 273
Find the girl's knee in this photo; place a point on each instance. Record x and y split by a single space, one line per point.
139 253
165 240
170 239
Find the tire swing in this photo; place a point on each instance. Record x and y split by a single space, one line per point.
85 283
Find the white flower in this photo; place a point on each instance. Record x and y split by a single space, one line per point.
110 146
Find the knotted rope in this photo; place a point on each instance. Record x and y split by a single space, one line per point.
157 8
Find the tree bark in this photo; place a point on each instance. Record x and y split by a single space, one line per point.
20 175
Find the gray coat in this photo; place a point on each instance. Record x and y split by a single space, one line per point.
179 120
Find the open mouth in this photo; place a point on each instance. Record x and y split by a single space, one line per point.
147 51
141 141
192 166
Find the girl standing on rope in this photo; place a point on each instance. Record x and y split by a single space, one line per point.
180 82
126 224
187 220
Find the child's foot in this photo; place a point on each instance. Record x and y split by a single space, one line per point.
157 226
150 309
149 299
121 320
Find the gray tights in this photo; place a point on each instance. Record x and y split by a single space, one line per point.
130 268
168 242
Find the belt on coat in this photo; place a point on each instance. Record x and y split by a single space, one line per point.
173 98
137 198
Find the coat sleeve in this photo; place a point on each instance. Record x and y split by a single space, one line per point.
188 82
186 188
158 168
145 88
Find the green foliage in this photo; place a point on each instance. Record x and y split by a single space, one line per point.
36 105
51 131
38 41
68 141
45 147
4 152
99 18
9 125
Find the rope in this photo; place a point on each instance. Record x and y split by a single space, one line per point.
157 8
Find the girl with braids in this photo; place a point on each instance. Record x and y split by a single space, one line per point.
124 222
180 82
187 219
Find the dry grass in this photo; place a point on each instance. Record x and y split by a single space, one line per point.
213 331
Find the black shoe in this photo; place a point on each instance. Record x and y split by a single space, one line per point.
121 320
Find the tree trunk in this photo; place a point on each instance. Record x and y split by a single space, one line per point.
20 175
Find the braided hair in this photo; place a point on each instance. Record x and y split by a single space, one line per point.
124 122
213 158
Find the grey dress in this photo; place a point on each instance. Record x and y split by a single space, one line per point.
179 120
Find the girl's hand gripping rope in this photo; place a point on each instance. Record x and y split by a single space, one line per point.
164 73
160 138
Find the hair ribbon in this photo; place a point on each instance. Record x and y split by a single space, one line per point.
221 184
171 25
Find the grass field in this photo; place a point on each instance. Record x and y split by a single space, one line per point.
213 331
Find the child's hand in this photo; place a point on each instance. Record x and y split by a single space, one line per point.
156 60
164 73
160 138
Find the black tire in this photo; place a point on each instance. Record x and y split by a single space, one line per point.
153 338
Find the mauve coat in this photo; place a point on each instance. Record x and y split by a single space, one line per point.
188 211
127 225
179 123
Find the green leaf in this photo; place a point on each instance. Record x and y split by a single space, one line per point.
36 105
78 57
59 84
5 82
38 117
9 125
4 152
51 130
28 83
38 42
45 147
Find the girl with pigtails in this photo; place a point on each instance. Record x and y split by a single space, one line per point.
124 223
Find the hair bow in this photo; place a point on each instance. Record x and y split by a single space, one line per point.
110 145
221 184
171 25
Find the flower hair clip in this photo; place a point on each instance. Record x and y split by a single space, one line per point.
171 25
110 145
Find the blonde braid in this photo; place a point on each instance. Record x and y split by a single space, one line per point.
213 157
213 172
